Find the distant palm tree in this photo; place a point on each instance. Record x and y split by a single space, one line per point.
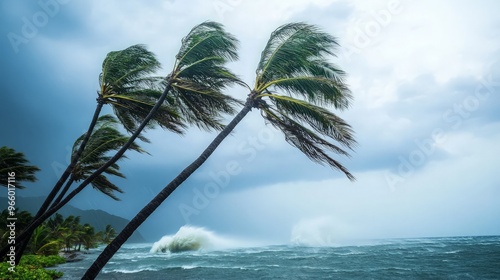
12 161
88 238
108 234
294 80
69 231
196 83
42 242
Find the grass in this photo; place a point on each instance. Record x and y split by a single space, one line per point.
33 267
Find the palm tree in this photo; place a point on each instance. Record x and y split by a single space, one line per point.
69 231
42 242
196 82
88 238
294 80
108 234
12 161
104 139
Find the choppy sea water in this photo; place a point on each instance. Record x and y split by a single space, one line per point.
425 258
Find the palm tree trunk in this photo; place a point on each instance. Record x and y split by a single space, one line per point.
71 180
98 172
57 187
71 166
129 229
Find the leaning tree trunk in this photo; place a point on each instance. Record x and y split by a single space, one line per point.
73 162
70 182
98 172
57 187
129 229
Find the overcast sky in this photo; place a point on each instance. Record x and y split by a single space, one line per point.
425 77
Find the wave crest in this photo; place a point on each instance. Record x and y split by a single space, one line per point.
191 238
188 238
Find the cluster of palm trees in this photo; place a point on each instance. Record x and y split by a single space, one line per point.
58 234
295 90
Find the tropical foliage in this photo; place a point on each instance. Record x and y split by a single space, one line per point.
107 235
57 233
33 267
104 140
295 87
200 76
12 161
127 84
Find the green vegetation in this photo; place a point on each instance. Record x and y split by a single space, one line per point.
33 267
12 161
55 235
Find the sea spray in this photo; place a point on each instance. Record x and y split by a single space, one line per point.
191 238
316 232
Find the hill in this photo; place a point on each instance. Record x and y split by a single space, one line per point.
96 218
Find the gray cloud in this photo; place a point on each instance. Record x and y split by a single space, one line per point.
407 81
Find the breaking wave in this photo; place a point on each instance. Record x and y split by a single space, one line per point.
190 238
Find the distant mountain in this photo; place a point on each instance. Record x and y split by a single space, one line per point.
97 218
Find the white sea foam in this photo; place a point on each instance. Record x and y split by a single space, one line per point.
190 238
129 271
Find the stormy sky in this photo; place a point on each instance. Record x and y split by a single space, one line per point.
425 79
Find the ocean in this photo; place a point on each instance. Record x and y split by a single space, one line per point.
215 258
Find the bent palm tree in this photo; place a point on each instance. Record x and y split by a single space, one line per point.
104 139
196 83
294 78
12 161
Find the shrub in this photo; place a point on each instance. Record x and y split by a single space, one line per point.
32 267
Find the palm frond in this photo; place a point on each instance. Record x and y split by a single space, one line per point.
295 60
13 161
294 74
104 139
102 184
308 142
208 39
128 69
132 112
199 76
128 84
318 118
